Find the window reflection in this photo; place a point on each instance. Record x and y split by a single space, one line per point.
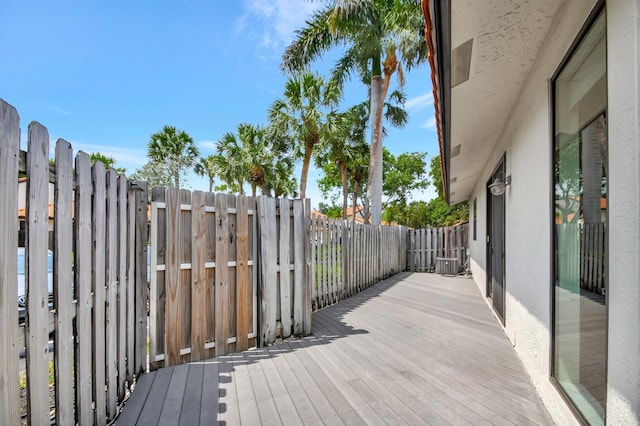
580 180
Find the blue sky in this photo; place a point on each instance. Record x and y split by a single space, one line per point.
105 75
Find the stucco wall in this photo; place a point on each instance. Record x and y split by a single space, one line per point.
527 143
623 35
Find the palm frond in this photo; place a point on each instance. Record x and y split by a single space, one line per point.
310 42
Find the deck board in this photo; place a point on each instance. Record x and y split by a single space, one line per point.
414 349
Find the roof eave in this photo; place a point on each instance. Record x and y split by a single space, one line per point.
438 35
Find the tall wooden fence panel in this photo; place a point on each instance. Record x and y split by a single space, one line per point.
284 292
424 246
94 308
204 278
347 257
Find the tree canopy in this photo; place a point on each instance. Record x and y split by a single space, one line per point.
379 37
305 116
109 162
175 149
433 213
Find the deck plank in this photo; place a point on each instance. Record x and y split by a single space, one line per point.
175 396
190 411
294 388
210 389
281 396
264 398
414 349
229 409
136 401
153 404
242 395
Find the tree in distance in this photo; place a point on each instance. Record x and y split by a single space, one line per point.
175 149
109 162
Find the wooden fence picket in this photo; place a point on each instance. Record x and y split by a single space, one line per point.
222 289
83 287
98 284
37 336
62 285
198 275
285 274
9 153
112 292
268 258
301 275
123 284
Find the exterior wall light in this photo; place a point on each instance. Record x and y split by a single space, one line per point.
499 184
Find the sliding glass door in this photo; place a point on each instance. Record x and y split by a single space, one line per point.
580 224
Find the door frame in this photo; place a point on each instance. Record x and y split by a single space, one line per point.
500 167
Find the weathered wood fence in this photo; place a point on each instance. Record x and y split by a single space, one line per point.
226 273
99 282
347 257
582 253
206 282
592 257
424 246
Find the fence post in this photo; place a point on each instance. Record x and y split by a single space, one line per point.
141 290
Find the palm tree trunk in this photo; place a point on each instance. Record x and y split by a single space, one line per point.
265 189
375 163
345 189
305 170
356 189
210 184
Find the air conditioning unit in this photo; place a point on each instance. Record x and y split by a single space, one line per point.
447 266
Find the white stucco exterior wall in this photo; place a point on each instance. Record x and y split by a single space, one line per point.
526 140
623 379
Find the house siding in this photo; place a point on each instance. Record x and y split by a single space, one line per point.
526 141
623 380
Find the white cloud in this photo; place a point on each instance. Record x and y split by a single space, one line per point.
419 102
430 124
207 144
279 19
129 158
59 110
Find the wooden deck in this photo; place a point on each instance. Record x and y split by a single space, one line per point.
414 349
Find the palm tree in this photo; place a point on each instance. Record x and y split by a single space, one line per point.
230 162
258 157
282 181
109 162
255 156
341 144
381 36
175 148
206 166
302 114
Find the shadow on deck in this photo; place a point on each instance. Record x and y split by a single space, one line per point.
414 349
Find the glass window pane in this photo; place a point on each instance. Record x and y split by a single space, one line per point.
580 179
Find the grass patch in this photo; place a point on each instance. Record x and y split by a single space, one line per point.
23 376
